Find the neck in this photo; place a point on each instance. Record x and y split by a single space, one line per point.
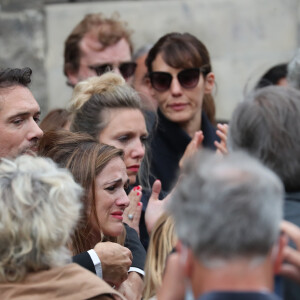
193 125
236 276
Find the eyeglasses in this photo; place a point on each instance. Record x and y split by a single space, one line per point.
188 79
127 69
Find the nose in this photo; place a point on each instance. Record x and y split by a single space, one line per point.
175 88
123 200
34 131
116 70
138 150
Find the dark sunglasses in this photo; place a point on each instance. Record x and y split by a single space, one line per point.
188 79
127 69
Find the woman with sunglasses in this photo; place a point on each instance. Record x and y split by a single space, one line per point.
181 77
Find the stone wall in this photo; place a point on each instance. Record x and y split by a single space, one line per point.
23 42
244 38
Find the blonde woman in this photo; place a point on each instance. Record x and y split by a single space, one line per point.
162 242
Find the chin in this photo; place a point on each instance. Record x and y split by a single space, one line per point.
115 232
179 117
132 179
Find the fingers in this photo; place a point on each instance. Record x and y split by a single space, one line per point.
198 138
222 132
290 271
192 147
291 256
137 214
223 129
221 149
132 213
129 253
292 231
156 188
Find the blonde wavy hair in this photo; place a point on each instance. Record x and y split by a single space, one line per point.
162 242
39 208
84 90
94 97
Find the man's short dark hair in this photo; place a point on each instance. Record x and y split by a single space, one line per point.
10 77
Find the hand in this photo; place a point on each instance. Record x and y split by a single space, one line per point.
172 287
155 207
222 133
115 260
134 209
291 257
192 147
132 288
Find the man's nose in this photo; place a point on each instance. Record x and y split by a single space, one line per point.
34 132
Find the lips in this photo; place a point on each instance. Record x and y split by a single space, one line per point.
134 168
118 215
178 106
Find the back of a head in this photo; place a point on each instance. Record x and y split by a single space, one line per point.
40 207
108 31
56 119
267 125
272 76
95 95
11 77
293 76
227 208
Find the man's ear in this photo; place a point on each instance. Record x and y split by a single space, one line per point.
277 253
209 83
186 258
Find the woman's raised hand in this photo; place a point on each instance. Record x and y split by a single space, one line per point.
132 213
291 257
192 147
222 131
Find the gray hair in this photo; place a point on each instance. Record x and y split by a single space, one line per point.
293 75
39 208
267 125
227 208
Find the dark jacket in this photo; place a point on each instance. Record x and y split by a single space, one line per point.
168 143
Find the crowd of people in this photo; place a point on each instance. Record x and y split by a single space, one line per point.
134 191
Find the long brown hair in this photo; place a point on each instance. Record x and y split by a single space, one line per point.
85 158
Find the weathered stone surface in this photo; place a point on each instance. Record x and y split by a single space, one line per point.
244 38
18 5
22 39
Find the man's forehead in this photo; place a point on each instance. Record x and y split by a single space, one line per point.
92 51
17 99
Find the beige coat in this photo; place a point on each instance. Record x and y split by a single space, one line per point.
70 282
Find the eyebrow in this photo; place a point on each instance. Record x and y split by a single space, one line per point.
23 114
119 180
131 132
